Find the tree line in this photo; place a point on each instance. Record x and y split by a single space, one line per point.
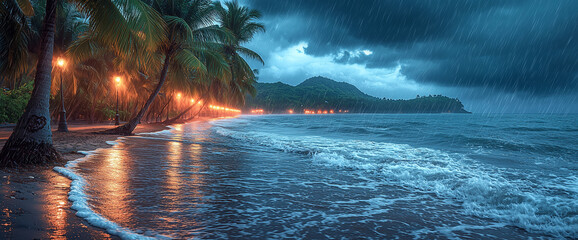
320 93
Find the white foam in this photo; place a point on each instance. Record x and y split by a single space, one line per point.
80 203
481 189
166 132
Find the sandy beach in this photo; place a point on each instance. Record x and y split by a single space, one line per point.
35 202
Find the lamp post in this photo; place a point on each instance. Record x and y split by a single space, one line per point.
62 126
116 120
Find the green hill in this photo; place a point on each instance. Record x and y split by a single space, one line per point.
319 93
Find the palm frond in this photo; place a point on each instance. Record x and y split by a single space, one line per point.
250 53
26 7
123 24
186 59
178 29
82 49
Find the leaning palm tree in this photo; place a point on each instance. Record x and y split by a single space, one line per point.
232 87
189 30
120 24
240 21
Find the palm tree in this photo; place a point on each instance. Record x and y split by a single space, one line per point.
121 27
15 33
232 87
187 49
240 21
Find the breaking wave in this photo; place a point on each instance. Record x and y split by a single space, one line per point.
482 190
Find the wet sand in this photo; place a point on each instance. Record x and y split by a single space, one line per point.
34 203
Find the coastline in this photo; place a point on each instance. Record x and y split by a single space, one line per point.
35 201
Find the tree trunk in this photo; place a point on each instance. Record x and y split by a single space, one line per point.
196 114
127 128
163 108
31 140
172 120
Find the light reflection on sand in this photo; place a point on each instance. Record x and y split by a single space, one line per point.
55 211
39 198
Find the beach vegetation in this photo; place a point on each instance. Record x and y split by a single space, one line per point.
13 102
158 48
112 24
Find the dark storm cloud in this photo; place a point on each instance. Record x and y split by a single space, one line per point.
514 46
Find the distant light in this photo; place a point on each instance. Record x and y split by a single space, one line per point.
60 62
192 100
257 111
367 52
179 95
117 79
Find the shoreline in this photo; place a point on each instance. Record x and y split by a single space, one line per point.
35 201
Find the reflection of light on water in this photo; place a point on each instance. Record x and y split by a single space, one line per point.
115 187
182 183
197 132
174 159
178 128
172 195
196 179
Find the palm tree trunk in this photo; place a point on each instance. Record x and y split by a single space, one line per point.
172 120
127 128
31 140
196 114
159 116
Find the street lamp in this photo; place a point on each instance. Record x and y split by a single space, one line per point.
62 126
116 120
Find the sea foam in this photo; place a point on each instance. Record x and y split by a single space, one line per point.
482 190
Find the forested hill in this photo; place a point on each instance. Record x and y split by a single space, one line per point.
319 93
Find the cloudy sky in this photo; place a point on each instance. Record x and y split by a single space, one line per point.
495 56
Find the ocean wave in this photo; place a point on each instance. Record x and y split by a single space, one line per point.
482 190
357 130
501 143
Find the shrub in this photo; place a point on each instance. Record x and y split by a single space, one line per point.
13 102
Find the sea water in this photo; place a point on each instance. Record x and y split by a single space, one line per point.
349 176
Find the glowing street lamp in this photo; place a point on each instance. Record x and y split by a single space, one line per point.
62 126
116 117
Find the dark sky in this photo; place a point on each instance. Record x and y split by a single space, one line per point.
496 56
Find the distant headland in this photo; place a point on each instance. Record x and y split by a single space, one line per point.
323 95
